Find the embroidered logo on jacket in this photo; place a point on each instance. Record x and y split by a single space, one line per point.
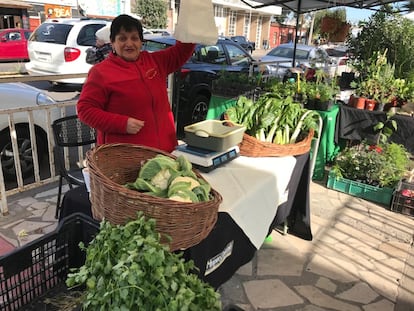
151 73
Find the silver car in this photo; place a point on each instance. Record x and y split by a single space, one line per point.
278 60
20 95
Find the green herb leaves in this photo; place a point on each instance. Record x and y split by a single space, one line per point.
127 268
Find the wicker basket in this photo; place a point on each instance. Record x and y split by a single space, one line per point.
252 147
113 165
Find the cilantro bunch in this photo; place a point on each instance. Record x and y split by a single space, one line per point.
127 268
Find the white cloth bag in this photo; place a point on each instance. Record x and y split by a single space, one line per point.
196 22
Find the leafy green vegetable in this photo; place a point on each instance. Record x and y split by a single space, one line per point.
154 165
127 268
170 178
272 118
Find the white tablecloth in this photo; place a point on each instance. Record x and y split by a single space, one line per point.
252 189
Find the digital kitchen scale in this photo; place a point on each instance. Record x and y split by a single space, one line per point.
206 160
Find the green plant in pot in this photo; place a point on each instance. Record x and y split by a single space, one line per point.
381 163
322 91
376 165
232 84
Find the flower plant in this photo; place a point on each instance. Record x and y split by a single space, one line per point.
380 165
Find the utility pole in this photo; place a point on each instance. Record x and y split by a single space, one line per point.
311 28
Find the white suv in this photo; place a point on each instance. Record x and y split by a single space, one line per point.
58 46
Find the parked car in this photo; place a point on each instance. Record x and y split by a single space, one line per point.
20 95
197 74
280 59
58 46
13 44
340 56
244 43
158 31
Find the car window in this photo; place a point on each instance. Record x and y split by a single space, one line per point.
152 46
27 34
237 56
301 54
52 33
86 36
13 36
321 54
336 53
280 52
212 54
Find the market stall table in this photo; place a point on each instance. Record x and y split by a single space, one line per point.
259 194
357 124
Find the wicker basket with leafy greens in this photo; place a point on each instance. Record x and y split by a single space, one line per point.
275 125
127 178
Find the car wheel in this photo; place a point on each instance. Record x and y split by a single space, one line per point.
25 153
199 109
196 112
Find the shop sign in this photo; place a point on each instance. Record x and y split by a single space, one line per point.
57 11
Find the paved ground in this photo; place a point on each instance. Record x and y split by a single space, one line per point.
361 257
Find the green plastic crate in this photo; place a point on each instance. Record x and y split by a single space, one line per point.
382 195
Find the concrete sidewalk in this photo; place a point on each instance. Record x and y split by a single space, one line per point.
361 257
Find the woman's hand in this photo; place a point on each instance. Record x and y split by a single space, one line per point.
134 125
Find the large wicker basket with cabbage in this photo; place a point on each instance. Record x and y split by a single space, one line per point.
275 125
128 178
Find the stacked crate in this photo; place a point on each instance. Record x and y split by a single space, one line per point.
403 198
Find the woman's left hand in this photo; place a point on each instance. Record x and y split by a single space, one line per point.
134 125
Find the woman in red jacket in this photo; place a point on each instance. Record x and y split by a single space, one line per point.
125 96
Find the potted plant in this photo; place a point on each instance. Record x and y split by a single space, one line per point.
232 84
377 83
369 171
322 92
373 168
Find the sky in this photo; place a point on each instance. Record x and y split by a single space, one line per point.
355 15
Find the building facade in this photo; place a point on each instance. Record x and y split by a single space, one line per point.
232 17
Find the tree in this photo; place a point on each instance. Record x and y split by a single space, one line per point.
153 13
387 30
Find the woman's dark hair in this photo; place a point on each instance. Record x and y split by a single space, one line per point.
128 23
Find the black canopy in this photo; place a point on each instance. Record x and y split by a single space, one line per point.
305 6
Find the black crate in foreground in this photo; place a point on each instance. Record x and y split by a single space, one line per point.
403 198
39 267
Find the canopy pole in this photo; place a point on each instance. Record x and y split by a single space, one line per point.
297 31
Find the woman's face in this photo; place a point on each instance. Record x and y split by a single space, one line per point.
127 45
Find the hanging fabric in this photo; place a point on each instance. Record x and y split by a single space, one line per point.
196 22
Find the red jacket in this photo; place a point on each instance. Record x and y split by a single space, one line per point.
116 89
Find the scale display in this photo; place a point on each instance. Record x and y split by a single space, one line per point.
206 160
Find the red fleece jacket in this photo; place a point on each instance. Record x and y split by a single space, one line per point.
116 89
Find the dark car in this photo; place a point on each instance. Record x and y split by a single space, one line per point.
13 44
196 76
249 46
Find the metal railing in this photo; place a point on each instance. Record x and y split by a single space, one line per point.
28 117
50 113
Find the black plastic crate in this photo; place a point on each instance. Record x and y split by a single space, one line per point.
40 267
403 198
